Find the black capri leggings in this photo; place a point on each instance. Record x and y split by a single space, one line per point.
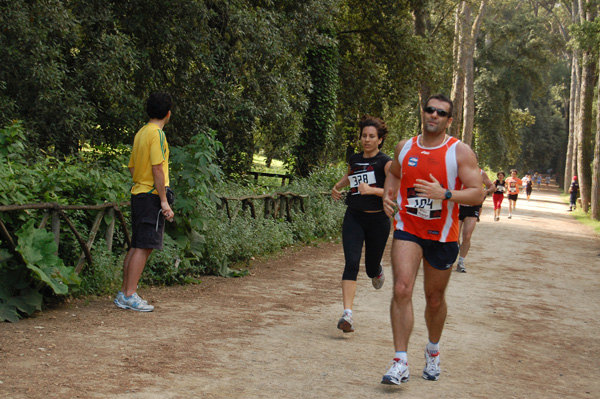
371 228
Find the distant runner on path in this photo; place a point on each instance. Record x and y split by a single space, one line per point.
512 184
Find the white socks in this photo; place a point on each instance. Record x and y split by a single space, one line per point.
402 356
433 348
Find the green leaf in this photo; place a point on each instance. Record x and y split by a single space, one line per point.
8 312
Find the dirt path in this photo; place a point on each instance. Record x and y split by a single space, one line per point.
523 323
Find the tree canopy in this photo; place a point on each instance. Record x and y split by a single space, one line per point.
290 79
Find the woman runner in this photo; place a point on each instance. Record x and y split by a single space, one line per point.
365 220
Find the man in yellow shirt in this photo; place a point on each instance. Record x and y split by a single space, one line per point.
149 168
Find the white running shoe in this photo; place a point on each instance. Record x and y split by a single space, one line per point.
346 324
432 366
397 373
379 280
134 303
510 215
120 298
460 267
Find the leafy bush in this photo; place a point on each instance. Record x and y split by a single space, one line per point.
203 240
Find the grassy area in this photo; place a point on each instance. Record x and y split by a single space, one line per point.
582 217
259 164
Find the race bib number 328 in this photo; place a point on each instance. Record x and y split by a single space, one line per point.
362 177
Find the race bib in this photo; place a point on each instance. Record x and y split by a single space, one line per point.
362 177
424 208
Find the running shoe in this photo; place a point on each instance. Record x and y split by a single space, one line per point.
397 373
346 324
460 267
432 366
134 302
510 215
497 218
379 280
120 298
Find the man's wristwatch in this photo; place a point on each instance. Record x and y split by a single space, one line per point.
448 195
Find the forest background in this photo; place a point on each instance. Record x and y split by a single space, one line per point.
285 80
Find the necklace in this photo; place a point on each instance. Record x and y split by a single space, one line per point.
420 141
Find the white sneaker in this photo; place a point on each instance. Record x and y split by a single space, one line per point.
134 303
460 267
432 366
379 280
120 298
346 324
397 373
510 215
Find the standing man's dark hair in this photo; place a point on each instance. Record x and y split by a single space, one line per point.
150 205
158 105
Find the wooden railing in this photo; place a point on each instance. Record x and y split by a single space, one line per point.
57 212
280 176
277 206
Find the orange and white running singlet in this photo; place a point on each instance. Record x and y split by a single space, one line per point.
426 218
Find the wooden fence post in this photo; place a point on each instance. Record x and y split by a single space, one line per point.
56 229
110 230
87 255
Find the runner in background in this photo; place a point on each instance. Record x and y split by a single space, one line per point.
468 217
498 196
512 184
573 194
364 222
529 187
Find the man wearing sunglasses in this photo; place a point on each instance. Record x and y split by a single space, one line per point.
431 174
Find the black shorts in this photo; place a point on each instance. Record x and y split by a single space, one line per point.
513 197
440 255
466 211
147 221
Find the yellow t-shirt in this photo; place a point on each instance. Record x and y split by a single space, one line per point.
149 148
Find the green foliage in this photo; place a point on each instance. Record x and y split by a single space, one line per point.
519 72
320 118
37 249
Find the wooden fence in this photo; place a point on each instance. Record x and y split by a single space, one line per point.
277 206
267 174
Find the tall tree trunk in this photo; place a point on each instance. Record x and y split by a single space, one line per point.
572 114
576 115
595 195
463 22
419 14
584 139
469 99
570 159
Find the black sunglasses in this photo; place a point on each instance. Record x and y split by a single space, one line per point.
440 112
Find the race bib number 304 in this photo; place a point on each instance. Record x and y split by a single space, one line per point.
424 208
362 177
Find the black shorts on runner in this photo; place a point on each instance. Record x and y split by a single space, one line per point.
440 255
513 197
466 211
147 222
